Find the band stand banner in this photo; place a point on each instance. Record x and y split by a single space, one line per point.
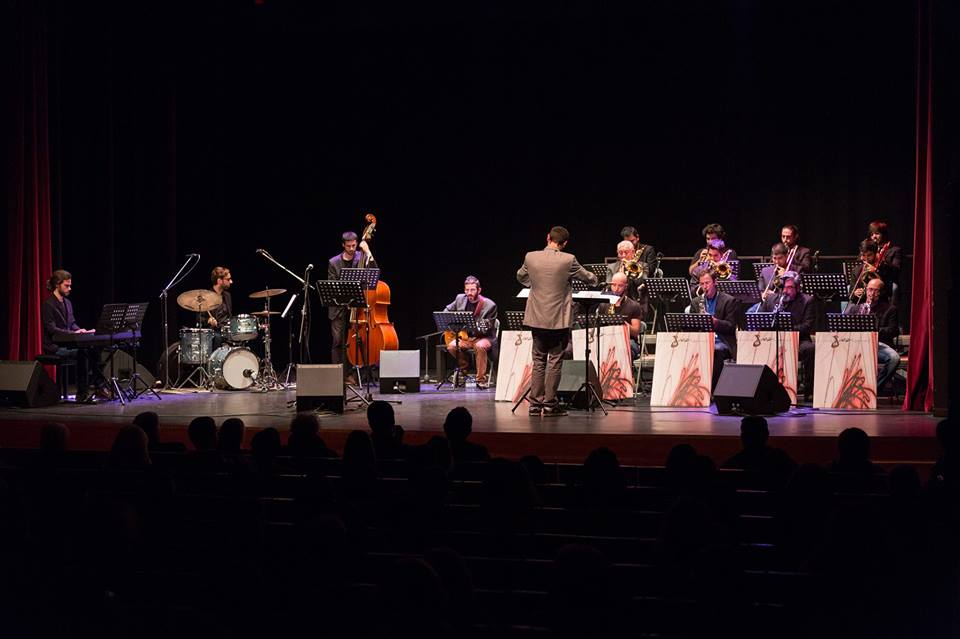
845 373
515 365
760 347
683 369
616 362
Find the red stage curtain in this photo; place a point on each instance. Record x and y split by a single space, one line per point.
920 370
28 224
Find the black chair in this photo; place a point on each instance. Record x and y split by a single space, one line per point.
63 367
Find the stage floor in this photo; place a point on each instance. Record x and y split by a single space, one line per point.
636 431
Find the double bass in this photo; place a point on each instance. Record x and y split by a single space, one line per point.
382 335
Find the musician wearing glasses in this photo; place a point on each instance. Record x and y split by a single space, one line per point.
803 258
635 270
888 327
631 311
219 316
710 232
872 265
724 308
802 311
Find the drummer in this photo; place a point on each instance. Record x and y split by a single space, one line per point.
219 316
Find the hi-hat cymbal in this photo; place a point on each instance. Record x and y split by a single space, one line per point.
264 313
199 300
267 292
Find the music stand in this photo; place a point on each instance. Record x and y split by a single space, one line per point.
342 294
368 279
579 286
851 270
590 301
842 323
133 319
514 321
745 291
782 321
455 321
600 270
824 286
758 269
112 320
668 290
689 322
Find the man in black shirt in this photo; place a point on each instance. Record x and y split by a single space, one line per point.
888 360
219 316
803 257
349 258
631 311
58 320
710 232
803 313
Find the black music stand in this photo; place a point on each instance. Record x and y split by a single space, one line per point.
343 294
843 323
689 322
368 278
600 270
133 320
778 322
668 290
745 291
824 286
758 269
455 321
851 270
113 320
514 321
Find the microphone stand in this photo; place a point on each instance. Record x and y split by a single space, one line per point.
305 307
163 296
304 322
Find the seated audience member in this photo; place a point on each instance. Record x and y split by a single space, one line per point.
603 485
54 439
411 603
757 456
230 437
265 447
386 435
305 440
457 427
436 452
359 467
149 422
853 454
129 450
202 432
536 469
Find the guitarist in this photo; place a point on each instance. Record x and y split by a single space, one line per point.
485 309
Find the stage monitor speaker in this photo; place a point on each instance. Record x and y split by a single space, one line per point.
399 372
320 386
27 385
749 389
571 377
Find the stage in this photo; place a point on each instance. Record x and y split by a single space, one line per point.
638 433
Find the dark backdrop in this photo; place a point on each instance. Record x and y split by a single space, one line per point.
468 132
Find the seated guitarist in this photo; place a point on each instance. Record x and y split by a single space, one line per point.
483 308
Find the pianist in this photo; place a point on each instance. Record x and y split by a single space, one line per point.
58 320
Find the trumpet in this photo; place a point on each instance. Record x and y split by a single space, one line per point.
633 268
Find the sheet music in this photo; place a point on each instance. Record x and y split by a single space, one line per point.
582 295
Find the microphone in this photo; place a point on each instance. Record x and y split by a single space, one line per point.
260 251
247 372
309 267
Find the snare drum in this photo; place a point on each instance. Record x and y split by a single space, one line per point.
196 344
241 328
234 367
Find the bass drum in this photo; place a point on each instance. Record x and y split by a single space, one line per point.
234 367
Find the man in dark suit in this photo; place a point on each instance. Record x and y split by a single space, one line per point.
349 258
892 260
724 308
549 314
778 257
56 313
802 310
644 252
803 258
484 309
888 326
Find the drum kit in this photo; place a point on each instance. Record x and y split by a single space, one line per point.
233 365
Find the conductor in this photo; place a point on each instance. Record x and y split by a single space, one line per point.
549 315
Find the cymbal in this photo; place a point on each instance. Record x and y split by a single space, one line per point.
268 292
199 300
264 313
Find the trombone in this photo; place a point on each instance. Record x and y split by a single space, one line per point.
776 281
